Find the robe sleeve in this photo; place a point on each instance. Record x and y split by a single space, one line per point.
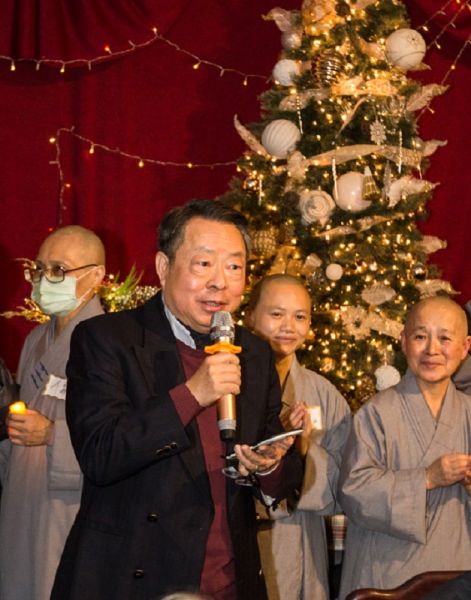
322 465
373 495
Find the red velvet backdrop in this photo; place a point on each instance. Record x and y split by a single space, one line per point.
151 103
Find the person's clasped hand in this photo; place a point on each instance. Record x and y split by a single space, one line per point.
29 429
449 469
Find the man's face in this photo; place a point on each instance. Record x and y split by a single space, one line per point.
435 342
282 316
68 251
207 274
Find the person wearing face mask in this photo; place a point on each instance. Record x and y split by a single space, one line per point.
40 475
292 543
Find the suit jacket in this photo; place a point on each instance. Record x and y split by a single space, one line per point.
146 505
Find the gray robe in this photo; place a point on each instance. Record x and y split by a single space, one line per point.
293 545
41 484
396 527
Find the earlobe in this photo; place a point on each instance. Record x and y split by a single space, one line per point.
100 273
161 266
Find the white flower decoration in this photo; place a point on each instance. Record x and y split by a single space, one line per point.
316 205
378 294
354 319
403 187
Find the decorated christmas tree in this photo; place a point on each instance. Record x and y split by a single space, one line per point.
333 183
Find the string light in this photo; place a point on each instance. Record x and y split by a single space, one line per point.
89 62
198 61
451 23
82 61
93 145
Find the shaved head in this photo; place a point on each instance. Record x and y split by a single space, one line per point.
86 243
441 305
265 282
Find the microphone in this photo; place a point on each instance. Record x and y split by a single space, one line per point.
222 331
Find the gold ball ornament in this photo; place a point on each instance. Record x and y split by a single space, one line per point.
327 67
264 242
419 271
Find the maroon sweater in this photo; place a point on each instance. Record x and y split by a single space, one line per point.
218 575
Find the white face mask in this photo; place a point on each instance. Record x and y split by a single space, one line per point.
58 299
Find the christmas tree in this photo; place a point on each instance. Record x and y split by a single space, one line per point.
332 183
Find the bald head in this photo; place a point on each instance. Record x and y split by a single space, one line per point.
442 309
85 244
435 340
264 284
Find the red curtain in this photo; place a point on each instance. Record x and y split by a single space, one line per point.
150 103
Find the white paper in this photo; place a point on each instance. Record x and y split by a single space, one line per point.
316 417
55 387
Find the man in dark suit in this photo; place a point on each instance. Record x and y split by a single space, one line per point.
157 513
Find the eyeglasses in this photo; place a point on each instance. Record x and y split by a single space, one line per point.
54 274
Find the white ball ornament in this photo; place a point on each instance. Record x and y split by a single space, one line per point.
386 376
285 71
348 192
334 271
405 48
280 137
291 39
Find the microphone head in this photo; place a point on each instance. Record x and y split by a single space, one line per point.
222 326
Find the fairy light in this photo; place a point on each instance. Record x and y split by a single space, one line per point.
94 145
89 62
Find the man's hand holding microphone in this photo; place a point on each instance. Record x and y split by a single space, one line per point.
218 379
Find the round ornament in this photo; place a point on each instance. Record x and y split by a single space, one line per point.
327 67
386 376
348 192
334 271
264 242
405 48
280 137
419 271
291 39
285 71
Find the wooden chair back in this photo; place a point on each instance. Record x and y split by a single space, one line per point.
412 589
